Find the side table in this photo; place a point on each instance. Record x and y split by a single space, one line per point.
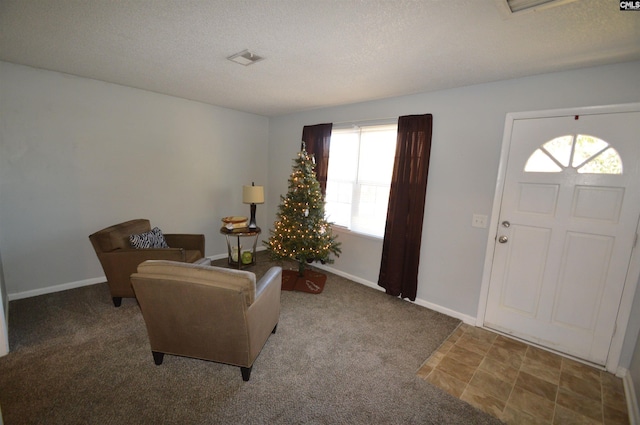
230 234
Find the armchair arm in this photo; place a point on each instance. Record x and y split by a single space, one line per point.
273 276
186 241
263 315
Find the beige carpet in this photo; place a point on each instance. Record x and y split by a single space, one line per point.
348 355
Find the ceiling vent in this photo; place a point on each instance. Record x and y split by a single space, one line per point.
245 58
512 7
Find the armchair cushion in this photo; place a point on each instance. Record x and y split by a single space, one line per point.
204 274
151 239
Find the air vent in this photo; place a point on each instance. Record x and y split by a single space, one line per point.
512 7
245 58
518 5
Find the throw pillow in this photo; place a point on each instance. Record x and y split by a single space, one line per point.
151 239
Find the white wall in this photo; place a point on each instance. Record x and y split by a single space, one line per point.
77 155
468 123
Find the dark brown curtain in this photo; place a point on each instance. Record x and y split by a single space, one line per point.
403 231
317 139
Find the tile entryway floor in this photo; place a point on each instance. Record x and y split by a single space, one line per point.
521 384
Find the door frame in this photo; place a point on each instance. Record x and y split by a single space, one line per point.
633 273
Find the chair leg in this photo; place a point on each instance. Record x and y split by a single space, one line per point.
117 301
274 329
157 357
246 373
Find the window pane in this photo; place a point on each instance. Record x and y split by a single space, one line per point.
608 162
345 192
343 155
539 162
377 152
560 149
332 192
590 155
338 213
371 213
359 176
586 147
338 202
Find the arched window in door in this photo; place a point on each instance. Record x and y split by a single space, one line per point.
583 153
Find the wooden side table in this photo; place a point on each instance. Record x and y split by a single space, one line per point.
237 234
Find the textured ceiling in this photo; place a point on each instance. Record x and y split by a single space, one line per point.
317 52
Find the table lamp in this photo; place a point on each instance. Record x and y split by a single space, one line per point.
253 195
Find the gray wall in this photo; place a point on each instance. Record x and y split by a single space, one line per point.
77 155
468 126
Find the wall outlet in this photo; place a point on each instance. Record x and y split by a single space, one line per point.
479 220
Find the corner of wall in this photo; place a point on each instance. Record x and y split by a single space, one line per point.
630 395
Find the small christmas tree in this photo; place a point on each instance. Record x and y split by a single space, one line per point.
301 232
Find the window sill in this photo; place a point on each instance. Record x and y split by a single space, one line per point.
344 230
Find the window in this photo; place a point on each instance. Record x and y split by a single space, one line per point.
585 154
359 177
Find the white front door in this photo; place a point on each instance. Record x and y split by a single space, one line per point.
566 230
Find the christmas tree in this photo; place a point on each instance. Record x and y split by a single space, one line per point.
301 232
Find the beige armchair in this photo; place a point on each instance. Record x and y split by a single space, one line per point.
206 312
119 259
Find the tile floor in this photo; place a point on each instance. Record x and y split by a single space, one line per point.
521 384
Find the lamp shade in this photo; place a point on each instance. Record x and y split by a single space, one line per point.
253 194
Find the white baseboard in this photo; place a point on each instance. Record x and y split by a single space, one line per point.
469 320
630 395
55 288
80 283
71 285
348 276
431 306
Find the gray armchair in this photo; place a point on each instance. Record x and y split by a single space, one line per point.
119 260
206 312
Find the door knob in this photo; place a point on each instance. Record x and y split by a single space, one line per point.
503 239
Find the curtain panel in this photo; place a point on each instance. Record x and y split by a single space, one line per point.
317 138
405 214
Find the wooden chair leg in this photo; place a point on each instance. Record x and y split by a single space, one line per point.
246 373
117 301
157 357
